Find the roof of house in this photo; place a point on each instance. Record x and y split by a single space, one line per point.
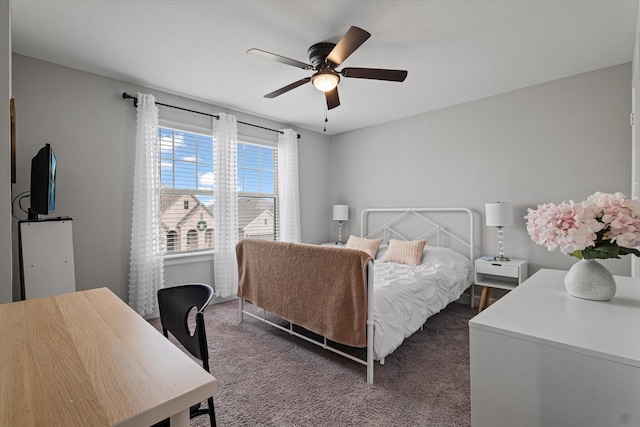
248 208
251 208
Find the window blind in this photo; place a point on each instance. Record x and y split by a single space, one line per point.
186 177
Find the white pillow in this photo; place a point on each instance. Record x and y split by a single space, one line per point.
405 252
382 251
369 246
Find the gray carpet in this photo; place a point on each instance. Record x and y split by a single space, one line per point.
269 378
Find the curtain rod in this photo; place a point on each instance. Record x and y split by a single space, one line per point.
125 95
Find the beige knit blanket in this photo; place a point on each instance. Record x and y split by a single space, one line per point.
320 288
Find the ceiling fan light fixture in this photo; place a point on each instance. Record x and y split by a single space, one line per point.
325 81
324 57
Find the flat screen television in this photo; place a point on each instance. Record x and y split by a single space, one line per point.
43 183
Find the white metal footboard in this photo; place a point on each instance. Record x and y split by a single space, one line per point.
369 362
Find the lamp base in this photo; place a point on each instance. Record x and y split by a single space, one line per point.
500 256
339 242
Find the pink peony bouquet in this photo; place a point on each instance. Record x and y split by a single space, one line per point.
603 226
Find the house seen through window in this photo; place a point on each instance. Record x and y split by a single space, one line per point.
187 175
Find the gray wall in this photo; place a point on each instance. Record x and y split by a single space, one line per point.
557 141
92 130
5 156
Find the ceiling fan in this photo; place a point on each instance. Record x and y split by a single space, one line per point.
324 58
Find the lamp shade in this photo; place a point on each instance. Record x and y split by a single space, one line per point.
340 212
498 214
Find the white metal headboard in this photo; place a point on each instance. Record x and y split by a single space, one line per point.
389 230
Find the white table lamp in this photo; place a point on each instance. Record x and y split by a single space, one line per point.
499 214
340 213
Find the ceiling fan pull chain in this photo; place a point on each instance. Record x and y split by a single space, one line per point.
325 119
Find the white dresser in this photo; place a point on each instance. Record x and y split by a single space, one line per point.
540 357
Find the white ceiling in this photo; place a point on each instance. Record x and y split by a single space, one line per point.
454 51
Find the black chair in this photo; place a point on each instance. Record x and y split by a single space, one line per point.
175 304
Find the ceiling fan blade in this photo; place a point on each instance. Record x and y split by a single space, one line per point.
352 40
287 88
375 74
333 100
279 58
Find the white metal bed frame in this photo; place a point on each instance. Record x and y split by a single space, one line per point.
387 232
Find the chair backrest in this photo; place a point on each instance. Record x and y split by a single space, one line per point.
175 303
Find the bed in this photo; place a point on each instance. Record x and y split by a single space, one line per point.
349 297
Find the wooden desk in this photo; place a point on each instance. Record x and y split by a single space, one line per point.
87 359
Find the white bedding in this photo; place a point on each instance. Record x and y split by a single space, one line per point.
406 296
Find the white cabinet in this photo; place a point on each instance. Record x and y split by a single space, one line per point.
47 265
540 357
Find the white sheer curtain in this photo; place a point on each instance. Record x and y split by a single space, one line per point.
225 206
146 269
288 189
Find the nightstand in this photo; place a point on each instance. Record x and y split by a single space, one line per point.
498 274
334 244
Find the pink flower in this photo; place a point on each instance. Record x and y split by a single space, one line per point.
568 226
601 219
620 215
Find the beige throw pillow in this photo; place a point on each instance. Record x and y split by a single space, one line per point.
405 252
370 246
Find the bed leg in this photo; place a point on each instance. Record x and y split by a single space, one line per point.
241 309
370 361
473 295
382 361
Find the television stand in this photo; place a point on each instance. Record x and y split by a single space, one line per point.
47 266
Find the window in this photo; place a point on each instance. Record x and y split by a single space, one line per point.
257 199
192 240
172 239
186 176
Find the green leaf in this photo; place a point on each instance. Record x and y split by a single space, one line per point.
629 251
602 251
577 254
